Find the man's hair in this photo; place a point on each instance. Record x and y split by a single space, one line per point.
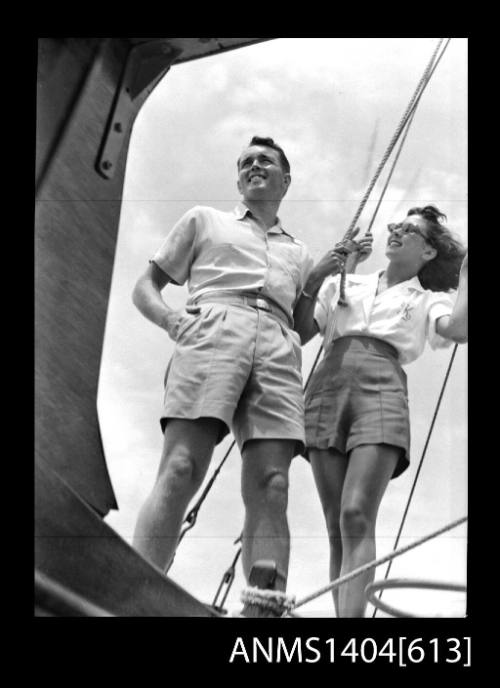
442 272
269 142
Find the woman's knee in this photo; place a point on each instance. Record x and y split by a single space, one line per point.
355 521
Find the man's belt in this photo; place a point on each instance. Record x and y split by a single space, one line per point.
246 299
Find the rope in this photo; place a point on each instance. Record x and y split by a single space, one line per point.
382 194
424 80
377 207
424 451
376 562
275 601
410 120
389 176
413 101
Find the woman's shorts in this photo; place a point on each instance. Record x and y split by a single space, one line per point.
358 395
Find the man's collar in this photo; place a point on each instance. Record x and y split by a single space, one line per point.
241 211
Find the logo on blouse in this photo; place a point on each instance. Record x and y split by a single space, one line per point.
406 315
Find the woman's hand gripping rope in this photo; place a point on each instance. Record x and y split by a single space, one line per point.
362 249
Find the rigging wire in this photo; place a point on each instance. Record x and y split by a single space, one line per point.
227 580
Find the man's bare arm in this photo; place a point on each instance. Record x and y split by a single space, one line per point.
147 298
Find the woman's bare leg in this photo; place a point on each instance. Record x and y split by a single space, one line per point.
369 470
329 470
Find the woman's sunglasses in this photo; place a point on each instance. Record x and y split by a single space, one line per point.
406 228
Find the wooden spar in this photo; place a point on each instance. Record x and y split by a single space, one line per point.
75 549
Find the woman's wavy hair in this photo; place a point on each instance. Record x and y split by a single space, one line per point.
442 272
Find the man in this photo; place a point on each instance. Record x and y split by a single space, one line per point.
237 361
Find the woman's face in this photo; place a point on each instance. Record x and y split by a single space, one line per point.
407 241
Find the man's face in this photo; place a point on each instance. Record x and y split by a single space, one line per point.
260 175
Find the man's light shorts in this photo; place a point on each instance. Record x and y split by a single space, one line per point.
241 365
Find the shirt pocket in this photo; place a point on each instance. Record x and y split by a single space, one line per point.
287 259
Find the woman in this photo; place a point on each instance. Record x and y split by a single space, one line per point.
357 420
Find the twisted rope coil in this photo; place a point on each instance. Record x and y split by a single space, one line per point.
273 600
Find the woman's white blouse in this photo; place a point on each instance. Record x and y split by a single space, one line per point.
404 315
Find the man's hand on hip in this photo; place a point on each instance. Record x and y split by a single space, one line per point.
171 322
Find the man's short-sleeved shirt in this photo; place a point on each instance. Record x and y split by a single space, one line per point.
404 315
218 251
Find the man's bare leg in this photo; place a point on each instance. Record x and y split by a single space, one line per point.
187 449
266 464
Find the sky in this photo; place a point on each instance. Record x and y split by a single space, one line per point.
333 104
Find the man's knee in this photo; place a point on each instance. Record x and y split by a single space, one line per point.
275 483
181 471
187 450
179 478
271 489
